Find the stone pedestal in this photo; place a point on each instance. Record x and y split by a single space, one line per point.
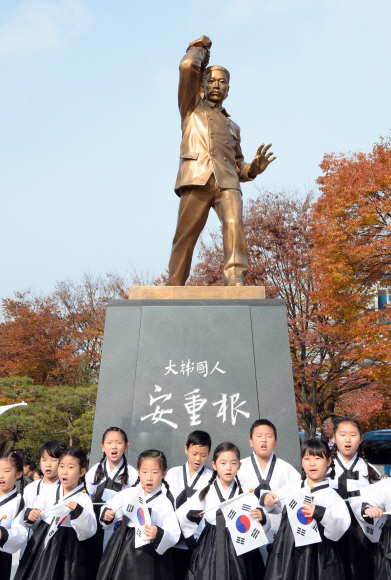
176 359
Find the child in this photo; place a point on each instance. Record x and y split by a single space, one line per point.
57 549
49 454
352 474
184 482
319 561
13 534
376 499
104 480
121 559
214 557
38 475
263 471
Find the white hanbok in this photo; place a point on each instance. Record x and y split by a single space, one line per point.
277 473
65 555
183 488
13 531
379 495
318 561
121 559
104 491
214 556
35 488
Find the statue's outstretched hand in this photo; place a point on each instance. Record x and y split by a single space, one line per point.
261 160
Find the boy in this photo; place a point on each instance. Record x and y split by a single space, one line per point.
263 471
49 454
184 482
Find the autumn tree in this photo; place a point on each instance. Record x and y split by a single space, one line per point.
57 338
279 234
352 259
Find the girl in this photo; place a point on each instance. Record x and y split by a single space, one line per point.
352 474
104 480
214 556
13 534
56 549
320 561
376 499
153 561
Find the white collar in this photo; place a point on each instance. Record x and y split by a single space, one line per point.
77 488
191 477
3 497
264 474
347 465
115 470
150 496
225 492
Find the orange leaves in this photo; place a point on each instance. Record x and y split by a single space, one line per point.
56 339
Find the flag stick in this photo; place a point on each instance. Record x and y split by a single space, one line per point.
216 507
384 514
63 502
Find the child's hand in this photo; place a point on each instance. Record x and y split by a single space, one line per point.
34 515
308 511
256 515
72 505
374 512
108 515
150 532
270 499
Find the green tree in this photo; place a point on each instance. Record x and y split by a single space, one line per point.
61 412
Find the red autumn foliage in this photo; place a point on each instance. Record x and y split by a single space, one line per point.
56 339
352 260
279 234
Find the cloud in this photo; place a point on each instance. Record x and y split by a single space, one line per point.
37 26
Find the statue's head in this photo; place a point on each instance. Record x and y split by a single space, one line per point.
216 83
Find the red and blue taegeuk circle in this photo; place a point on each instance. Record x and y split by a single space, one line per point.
140 516
302 518
243 524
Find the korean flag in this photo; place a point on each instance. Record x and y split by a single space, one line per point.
374 532
60 514
265 549
246 533
138 512
305 530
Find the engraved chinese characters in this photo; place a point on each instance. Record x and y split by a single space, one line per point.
228 407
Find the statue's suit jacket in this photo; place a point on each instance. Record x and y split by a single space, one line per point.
210 139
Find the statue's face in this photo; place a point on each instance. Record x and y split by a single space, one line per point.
216 86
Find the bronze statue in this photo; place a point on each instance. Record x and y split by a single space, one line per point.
211 167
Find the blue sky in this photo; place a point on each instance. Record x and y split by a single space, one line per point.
90 130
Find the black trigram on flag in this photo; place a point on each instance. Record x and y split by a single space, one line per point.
255 534
315 527
246 508
369 531
240 541
57 519
300 531
308 498
381 526
232 514
140 499
130 508
293 504
139 532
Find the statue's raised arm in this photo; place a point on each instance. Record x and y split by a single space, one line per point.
211 166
